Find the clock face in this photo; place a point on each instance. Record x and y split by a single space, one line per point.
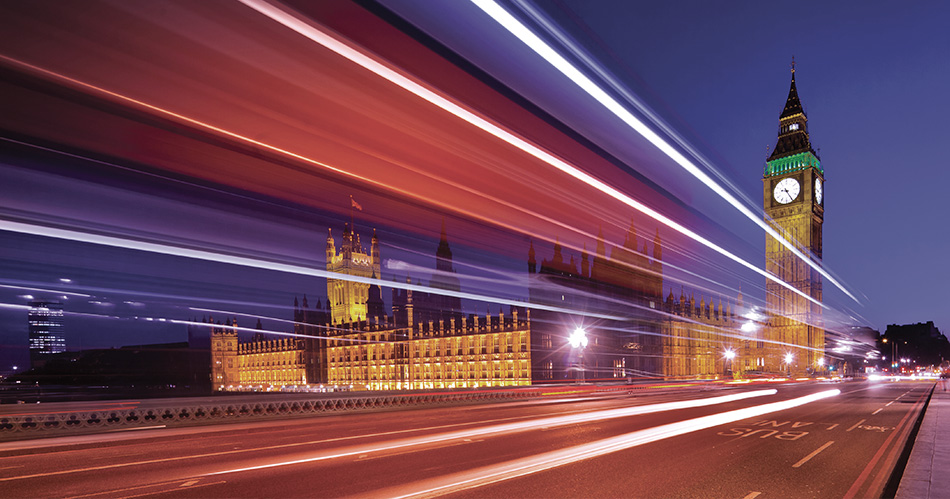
786 190
819 193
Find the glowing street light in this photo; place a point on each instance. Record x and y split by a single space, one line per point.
729 355
789 357
578 339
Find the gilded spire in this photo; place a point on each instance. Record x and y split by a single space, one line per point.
793 105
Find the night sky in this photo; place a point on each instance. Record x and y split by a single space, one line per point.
871 77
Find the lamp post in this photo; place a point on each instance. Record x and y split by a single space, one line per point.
788 363
821 364
578 340
729 355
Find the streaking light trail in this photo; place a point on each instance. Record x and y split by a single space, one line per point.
549 460
502 17
337 46
166 249
519 426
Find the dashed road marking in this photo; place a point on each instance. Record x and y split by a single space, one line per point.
189 483
752 495
856 425
813 454
877 411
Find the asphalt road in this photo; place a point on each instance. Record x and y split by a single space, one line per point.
801 441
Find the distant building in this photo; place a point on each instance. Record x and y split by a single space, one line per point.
627 283
704 340
650 336
46 331
920 344
426 342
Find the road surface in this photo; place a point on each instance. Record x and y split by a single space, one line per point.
762 441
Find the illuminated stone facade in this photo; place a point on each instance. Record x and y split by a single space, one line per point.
696 339
278 362
427 342
627 283
793 195
225 365
473 352
349 299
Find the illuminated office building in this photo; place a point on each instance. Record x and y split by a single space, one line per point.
46 332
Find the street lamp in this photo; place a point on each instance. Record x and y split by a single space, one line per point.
729 354
578 339
788 363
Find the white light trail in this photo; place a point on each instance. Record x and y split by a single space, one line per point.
521 467
166 249
44 290
331 43
513 427
516 28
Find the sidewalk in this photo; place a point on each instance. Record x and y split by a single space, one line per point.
927 474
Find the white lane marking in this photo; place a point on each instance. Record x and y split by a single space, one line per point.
877 411
270 447
189 483
511 428
752 495
144 490
813 454
487 475
889 403
856 425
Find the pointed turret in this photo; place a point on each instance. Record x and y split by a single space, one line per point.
346 246
374 250
331 246
558 259
444 254
585 265
374 303
631 240
532 262
793 150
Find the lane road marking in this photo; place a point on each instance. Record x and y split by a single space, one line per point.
856 425
813 454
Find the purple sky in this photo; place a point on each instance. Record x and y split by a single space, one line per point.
871 76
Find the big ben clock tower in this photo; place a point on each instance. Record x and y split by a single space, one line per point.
793 193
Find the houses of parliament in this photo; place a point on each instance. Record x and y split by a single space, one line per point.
425 340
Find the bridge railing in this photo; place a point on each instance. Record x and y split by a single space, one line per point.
23 421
